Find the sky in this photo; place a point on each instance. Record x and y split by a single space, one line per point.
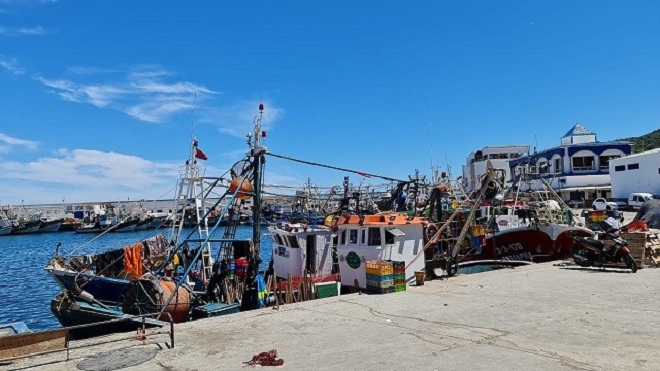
100 100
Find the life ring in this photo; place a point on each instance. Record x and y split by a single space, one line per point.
429 232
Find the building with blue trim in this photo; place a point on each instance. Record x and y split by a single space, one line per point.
579 168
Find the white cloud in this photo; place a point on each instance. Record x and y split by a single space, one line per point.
11 31
156 112
142 92
151 86
238 119
101 175
82 70
12 66
31 30
6 142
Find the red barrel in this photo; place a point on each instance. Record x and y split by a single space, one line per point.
241 267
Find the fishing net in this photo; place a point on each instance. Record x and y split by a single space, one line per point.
266 359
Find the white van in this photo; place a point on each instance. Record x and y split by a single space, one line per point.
635 200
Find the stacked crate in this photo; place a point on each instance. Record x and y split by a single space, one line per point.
379 276
399 275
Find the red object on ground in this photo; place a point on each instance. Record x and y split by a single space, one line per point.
266 359
636 226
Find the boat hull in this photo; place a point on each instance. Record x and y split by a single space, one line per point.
104 289
531 244
50 226
5 231
77 313
32 227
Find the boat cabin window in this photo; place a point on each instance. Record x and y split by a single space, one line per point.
293 241
278 239
374 236
391 233
353 237
343 237
363 237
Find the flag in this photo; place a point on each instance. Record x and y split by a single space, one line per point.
200 155
364 174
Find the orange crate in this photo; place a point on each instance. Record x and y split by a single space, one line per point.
379 267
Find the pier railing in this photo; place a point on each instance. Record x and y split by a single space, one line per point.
31 344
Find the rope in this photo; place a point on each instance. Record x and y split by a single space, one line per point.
361 173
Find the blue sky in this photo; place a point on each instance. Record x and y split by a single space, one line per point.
98 97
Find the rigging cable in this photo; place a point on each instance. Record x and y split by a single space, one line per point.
361 173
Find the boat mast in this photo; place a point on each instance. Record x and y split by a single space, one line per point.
257 153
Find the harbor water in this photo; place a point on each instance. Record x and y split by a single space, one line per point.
26 289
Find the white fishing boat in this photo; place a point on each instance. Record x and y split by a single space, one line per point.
384 236
303 249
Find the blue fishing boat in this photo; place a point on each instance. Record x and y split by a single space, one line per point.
175 278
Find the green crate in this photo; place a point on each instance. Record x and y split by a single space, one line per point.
400 287
326 289
373 290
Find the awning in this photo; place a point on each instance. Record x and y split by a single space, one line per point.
395 232
586 188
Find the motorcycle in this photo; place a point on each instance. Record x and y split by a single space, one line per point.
589 252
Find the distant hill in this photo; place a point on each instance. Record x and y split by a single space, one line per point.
645 142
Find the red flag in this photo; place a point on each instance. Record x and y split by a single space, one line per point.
364 174
200 155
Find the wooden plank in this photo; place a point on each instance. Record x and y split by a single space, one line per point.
637 251
33 342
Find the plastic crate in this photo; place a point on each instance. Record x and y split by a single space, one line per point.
371 277
399 276
379 284
398 264
372 290
400 287
379 267
399 282
326 289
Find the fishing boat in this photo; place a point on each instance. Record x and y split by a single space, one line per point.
25 227
304 250
5 224
187 281
500 224
48 226
384 236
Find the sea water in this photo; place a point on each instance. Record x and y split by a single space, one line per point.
26 289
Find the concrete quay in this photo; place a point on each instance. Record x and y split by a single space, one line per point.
538 317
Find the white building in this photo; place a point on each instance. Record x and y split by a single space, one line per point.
499 157
636 173
579 168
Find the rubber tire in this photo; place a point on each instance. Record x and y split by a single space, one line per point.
630 262
608 207
594 207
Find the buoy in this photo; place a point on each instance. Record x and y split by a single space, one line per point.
149 294
246 188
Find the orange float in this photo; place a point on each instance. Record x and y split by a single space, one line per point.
246 188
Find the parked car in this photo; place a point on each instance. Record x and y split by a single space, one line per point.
635 200
603 204
621 204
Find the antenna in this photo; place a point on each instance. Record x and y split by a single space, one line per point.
192 122
430 137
